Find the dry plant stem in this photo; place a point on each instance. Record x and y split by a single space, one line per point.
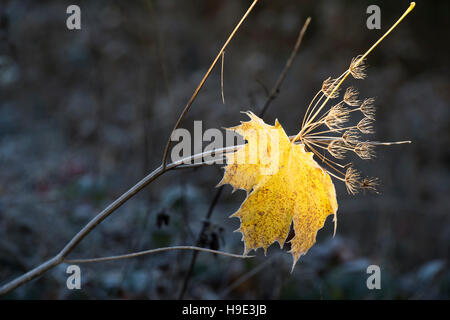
347 72
59 258
151 251
202 82
195 253
273 94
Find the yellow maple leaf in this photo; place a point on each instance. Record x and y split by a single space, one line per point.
284 186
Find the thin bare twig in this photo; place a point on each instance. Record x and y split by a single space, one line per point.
202 82
247 276
221 77
59 258
274 92
151 251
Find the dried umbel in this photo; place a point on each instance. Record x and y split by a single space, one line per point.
351 97
365 126
337 149
337 116
330 89
351 136
358 68
367 108
325 130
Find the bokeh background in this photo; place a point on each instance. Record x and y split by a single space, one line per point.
85 114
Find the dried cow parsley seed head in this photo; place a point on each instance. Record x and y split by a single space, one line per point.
337 149
364 150
370 184
337 116
351 137
326 130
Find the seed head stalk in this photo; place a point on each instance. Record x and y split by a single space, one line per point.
346 138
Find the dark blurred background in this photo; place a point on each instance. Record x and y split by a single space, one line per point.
85 114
